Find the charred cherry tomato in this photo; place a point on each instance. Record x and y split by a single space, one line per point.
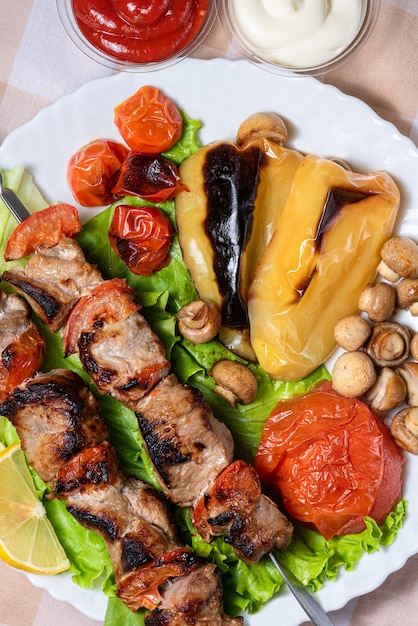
43 228
332 460
110 301
21 359
140 31
151 177
149 121
93 171
141 237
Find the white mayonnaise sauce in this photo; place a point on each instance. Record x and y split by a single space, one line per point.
297 33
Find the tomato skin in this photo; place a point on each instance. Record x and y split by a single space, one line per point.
21 359
110 301
43 228
93 171
149 121
151 177
141 237
332 460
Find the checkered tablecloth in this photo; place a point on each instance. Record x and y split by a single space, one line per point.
39 64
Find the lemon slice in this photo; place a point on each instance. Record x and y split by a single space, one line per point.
27 538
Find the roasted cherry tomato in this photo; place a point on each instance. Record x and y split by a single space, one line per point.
43 228
149 121
141 237
93 171
151 177
110 301
332 460
21 359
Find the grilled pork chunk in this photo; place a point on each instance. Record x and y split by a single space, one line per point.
195 598
116 346
56 416
21 343
53 279
234 506
186 444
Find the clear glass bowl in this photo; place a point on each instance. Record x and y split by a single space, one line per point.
69 22
246 49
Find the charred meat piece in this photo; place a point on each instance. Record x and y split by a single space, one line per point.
235 507
116 346
56 416
186 444
193 599
21 343
133 519
53 280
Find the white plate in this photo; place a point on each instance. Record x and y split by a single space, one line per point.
221 94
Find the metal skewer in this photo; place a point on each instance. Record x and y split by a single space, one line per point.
15 206
311 607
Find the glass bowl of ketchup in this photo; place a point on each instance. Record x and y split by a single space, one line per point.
298 37
137 35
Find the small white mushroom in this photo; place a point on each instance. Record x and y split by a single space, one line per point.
378 301
399 259
409 373
388 392
389 344
404 429
199 321
407 295
353 374
268 125
234 382
351 332
414 346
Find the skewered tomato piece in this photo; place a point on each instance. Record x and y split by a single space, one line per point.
149 121
141 237
93 171
43 228
151 177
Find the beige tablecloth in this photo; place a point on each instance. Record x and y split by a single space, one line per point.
39 64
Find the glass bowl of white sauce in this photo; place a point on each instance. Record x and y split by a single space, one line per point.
296 37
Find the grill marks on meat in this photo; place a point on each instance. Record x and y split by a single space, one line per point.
21 343
56 417
194 596
186 444
53 279
116 346
235 506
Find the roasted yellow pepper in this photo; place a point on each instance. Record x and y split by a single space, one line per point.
324 251
235 197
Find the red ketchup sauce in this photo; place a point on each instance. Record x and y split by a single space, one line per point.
140 31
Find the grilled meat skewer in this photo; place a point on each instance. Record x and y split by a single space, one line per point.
64 437
183 441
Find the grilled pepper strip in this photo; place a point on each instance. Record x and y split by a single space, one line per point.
324 251
225 220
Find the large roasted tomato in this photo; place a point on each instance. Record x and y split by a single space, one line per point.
43 228
332 460
93 171
141 237
149 121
